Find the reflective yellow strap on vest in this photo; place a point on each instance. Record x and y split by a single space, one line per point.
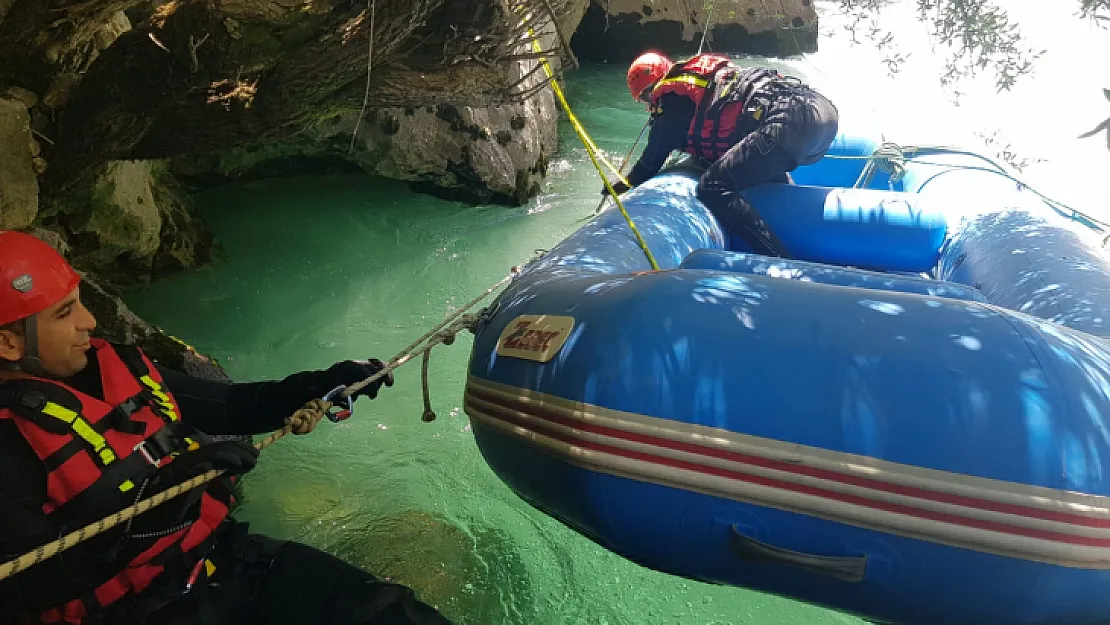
160 395
688 79
82 429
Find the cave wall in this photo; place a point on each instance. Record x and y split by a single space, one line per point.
106 105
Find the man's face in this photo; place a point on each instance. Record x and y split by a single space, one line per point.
63 337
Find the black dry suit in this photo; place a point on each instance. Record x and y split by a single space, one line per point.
795 126
773 124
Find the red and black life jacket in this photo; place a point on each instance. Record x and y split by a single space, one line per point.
99 456
722 93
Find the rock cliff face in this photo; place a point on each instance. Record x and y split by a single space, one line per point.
481 154
461 115
106 104
619 30
19 187
128 222
252 80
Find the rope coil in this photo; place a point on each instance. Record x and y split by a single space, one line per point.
889 157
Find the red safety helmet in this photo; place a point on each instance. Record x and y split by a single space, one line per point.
645 71
33 277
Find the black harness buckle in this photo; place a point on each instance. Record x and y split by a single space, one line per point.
156 448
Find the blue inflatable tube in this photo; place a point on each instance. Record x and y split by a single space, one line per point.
881 230
814 272
1035 264
905 449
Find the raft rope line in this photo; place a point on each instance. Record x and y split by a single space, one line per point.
591 149
313 410
888 157
891 158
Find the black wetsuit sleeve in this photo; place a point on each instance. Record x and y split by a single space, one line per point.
23 527
669 131
241 408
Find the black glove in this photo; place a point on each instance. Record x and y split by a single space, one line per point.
348 372
618 186
233 456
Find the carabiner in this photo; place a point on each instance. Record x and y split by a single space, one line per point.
344 405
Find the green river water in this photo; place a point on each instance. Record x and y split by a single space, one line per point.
324 269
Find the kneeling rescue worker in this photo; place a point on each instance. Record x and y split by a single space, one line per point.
89 427
747 125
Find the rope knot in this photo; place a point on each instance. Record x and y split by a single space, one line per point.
305 419
891 158
447 337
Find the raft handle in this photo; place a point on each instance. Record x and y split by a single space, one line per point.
848 569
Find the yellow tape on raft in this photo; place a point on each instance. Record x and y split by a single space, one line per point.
594 153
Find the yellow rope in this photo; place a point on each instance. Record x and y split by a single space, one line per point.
624 163
594 153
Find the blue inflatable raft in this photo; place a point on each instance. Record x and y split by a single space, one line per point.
909 421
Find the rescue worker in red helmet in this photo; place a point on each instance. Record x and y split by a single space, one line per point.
89 427
747 125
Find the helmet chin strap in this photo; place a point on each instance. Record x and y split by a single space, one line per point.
30 363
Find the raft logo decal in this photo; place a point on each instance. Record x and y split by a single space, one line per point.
534 337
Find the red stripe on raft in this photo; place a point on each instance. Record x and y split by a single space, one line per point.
789 467
799 488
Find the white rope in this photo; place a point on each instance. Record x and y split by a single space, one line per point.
369 65
624 163
708 25
889 157
407 353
